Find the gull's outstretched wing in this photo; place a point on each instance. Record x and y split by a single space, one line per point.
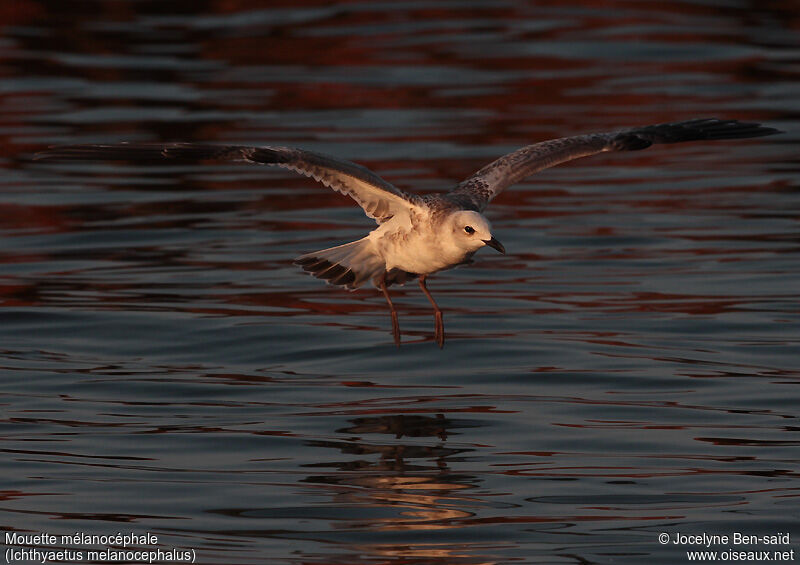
479 189
379 199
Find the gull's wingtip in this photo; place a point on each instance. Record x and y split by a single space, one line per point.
771 131
701 129
756 129
44 153
716 128
70 152
132 152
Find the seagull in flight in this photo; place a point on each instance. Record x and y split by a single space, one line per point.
416 235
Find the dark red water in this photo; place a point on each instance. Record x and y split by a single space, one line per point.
629 368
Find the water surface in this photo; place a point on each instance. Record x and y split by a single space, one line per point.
627 369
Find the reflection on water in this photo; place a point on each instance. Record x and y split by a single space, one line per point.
627 369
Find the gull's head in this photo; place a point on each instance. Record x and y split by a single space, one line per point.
471 231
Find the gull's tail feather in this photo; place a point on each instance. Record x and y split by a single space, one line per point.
349 265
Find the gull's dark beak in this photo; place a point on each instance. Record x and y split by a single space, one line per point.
496 244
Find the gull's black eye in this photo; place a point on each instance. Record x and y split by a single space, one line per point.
469 229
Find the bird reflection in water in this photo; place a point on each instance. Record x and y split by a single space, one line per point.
412 480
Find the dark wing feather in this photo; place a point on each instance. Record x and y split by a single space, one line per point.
379 199
479 189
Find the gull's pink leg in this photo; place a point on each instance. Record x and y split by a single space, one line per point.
437 312
395 323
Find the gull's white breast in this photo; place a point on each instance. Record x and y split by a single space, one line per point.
417 246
